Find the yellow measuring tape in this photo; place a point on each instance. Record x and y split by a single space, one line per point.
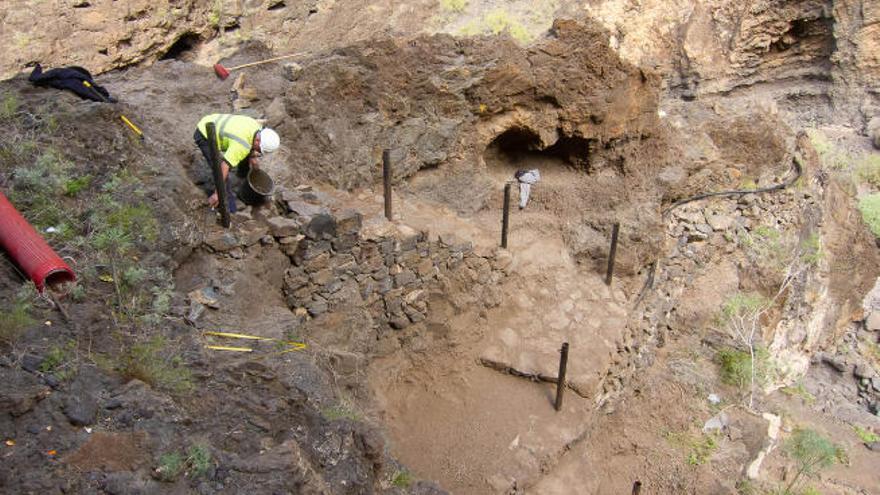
292 346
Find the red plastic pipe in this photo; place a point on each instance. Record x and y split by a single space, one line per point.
29 250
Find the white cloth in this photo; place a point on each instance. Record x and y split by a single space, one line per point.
525 186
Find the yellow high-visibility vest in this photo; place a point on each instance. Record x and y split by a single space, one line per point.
235 135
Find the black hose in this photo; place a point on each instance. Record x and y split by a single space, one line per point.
741 192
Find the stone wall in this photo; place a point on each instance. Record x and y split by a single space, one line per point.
339 261
387 268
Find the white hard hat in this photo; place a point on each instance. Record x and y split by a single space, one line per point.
269 140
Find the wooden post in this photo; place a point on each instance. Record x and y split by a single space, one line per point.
386 178
219 182
560 380
505 216
612 254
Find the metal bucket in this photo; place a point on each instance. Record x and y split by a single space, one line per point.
257 188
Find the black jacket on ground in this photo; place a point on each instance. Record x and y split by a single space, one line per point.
70 78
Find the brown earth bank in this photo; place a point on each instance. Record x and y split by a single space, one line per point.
428 348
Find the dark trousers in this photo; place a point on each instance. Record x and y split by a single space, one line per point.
205 147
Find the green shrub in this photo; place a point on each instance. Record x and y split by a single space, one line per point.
170 466
340 411
402 479
198 458
868 169
743 305
799 391
151 362
59 360
8 106
700 447
736 366
811 453
197 463
869 206
829 154
73 186
866 436
453 5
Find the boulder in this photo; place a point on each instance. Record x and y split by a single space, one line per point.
874 131
283 227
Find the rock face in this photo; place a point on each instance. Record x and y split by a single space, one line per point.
821 50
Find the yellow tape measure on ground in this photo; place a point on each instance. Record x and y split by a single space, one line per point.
292 346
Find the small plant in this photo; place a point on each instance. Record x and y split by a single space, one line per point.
868 169
148 362
74 186
15 318
402 479
811 453
8 106
453 5
746 487
869 206
866 436
811 250
830 155
170 466
58 360
198 458
799 391
700 448
340 411
498 21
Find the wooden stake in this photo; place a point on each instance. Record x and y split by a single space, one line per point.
505 216
386 179
610 273
219 182
560 380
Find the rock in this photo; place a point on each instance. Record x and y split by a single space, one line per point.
196 310
221 242
872 323
502 261
322 277
81 409
322 226
875 383
719 222
349 222
305 211
873 446
318 307
31 363
690 216
404 278
276 112
714 399
206 296
874 131
716 423
704 228
835 363
292 70
283 227
864 371
413 314
251 233
399 322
